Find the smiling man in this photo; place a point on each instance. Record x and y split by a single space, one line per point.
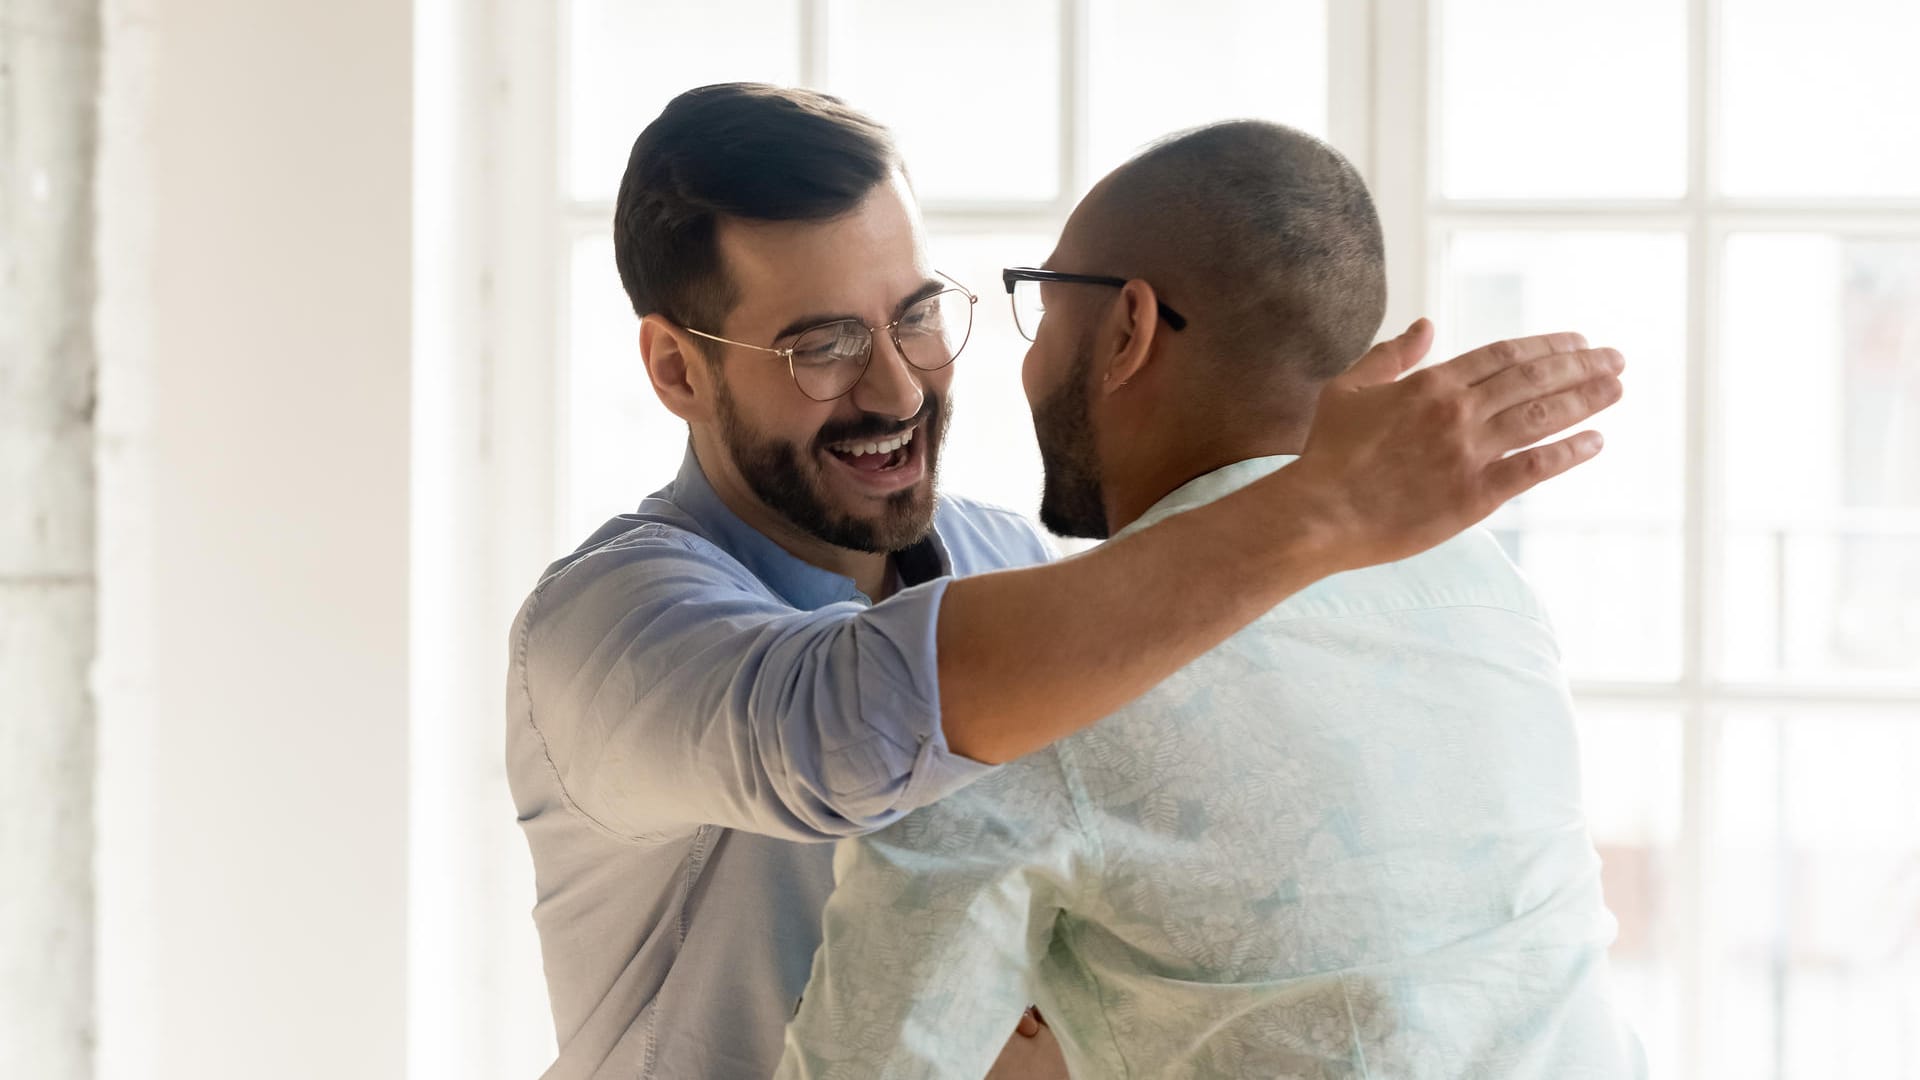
799 640
1345 843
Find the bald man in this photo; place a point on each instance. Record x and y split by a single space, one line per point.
1347 842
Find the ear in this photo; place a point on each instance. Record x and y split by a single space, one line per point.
679 376
1130 330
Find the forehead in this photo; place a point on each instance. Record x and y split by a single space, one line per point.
861 263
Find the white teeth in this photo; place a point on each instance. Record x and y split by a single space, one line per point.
887 447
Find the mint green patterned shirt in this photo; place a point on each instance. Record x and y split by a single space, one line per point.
1345 844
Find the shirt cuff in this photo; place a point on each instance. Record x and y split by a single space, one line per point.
909 623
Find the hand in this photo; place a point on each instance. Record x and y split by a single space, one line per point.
1031 1054
1401 464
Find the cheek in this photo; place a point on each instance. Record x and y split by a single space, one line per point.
1030 376
939 382
770 405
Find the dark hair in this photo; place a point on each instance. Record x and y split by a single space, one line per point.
745 150
1269 228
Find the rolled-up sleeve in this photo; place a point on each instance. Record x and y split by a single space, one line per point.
669 689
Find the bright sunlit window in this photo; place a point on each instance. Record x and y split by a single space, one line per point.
1726 190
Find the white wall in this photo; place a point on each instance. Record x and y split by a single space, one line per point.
255 326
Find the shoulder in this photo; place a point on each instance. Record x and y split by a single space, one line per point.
1470 570
631 562
981 536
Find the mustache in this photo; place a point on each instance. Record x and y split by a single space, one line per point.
874 428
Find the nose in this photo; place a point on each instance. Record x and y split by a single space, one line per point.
890 386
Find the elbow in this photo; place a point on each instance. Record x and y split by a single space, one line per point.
828 822
983 747
849 793
987 742
830 814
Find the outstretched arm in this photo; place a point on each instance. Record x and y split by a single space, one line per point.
668 692
1392 466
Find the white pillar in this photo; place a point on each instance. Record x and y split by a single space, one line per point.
49 80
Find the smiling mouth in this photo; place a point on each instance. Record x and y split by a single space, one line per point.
876 455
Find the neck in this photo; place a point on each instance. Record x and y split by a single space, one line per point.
1132 490
867 569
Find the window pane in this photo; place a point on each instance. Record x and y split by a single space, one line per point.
971 90
628 58
1630 762
621 444
1820 99
1602 542
1569 98
1816 898
990 451
1821 391
1149 75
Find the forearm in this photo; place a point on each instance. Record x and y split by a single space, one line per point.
1391 467
1028 657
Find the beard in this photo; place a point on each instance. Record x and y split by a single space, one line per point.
1070 502
787 477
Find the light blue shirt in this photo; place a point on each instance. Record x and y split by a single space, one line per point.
1347 843
691 711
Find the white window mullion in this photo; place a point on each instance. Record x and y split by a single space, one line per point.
1863 220
1562 218
1403 88
1075 134
1350 81
1701 605
816 36
528 264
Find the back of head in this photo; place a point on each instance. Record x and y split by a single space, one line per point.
742 150
1262 236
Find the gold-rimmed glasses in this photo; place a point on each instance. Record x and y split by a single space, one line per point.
828 360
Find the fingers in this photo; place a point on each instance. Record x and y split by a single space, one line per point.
1029 1025
1490 360
1535 419
1393 358
1544 376
1513 475
1413 343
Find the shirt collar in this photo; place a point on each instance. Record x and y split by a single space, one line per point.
1207 487
798 582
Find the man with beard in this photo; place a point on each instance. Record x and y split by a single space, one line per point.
782 647
1347 841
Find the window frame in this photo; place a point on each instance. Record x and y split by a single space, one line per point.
1418 218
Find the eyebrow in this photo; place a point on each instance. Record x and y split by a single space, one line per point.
807 322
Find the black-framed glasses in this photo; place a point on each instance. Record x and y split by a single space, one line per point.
1023 288
828 360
